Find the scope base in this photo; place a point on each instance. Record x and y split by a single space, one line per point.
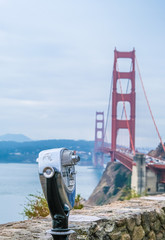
63 235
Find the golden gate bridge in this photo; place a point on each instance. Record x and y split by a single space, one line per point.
127 157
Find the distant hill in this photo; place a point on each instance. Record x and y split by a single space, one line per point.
27 152
14 138
158 152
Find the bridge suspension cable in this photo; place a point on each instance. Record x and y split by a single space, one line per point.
149 105
108 109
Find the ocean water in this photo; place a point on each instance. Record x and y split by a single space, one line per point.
17 181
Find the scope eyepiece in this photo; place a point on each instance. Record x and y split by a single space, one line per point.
48 172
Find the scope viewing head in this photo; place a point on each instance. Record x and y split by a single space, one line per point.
58 181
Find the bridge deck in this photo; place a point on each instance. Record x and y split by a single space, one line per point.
127 159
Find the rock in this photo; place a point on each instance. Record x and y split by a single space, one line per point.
125 236
152 216
120 222
115 236
161 216
130 224
106 237
156 225
146 222
152 236
82 237
138 220
138 233
159 236
109 227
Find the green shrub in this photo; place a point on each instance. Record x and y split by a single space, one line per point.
36 206
117 166
128 193
119 181
106 189
78 204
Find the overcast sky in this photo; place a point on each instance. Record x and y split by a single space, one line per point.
56 60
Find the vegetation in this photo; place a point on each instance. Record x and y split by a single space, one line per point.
78 204
106 189
36 206
128 193
120 180
160 150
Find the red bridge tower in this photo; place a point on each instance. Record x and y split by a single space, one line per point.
99 139
120 97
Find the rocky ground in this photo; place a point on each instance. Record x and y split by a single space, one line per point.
137 219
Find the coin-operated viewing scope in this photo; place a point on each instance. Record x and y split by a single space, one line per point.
58 181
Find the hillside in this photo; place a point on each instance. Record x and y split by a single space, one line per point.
27 152
158 152
116 180
110 188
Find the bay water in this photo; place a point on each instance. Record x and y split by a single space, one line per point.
17 181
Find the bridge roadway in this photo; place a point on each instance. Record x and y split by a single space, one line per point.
126 158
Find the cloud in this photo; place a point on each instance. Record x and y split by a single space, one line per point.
56 61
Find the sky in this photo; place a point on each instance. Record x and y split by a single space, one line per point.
56 61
